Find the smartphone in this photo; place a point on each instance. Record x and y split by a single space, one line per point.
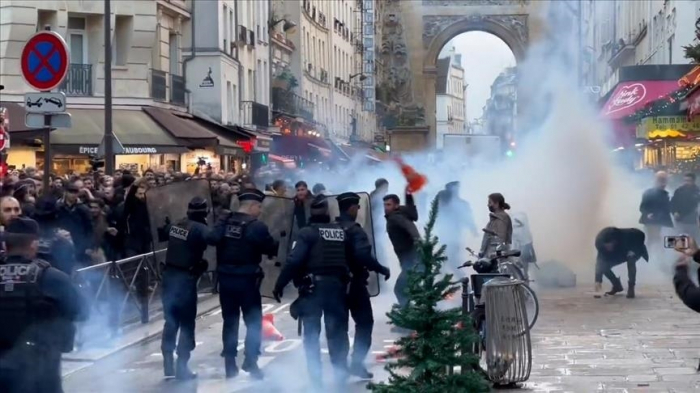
682 242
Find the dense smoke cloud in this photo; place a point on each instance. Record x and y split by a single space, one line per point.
564 175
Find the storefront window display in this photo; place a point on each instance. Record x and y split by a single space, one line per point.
202 159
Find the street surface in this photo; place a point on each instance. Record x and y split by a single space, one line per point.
580 344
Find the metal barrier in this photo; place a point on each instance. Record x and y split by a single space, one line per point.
507 337
123 292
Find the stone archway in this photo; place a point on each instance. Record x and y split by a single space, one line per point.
414 32
438 30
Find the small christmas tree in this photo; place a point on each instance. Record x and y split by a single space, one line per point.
441 340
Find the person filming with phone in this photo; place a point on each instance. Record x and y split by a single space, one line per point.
617 246
687 291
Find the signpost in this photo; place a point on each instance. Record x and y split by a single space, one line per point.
44 64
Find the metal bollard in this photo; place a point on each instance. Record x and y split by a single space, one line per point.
465 295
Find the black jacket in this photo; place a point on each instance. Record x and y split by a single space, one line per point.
401 228
685 203
687 291
76 220
656 202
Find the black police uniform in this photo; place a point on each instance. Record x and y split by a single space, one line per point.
187 241
320 254
361 263
241 241
38 305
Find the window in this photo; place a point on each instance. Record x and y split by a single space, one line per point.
266 84
77 40
670 49
174 54
251 85
258 82
225 27
231 33
229 102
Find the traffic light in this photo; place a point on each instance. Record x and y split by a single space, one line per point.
510 153
263 158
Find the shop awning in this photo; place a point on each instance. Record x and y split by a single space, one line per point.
197 133
137 132
628 97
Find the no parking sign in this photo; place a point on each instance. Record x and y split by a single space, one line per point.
45 60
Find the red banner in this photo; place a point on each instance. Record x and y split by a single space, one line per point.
694 104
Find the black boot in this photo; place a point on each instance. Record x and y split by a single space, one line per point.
182 371
359 370
168 364
630 291
616 288
231 367
252 368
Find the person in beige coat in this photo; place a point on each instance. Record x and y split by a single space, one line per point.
499 222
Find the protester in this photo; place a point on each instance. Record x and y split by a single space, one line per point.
655 211
684 206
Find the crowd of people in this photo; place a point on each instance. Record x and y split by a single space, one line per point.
85 220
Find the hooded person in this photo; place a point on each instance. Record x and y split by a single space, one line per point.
184 264
616 246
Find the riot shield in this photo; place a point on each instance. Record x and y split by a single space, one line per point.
278 214
364 218
171 201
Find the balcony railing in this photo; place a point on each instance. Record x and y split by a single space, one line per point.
291 104
158 84
78 82
177 89
255 113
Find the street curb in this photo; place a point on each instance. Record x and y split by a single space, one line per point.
150 335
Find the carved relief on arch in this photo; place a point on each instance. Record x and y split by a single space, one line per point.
435 24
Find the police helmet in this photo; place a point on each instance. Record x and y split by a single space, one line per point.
197 205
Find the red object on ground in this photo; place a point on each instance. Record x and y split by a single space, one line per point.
394 352
269 331
415 180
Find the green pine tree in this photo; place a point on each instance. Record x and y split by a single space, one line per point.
429 354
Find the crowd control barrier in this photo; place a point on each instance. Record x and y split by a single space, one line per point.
123 292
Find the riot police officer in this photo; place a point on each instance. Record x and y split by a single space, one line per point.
187 241
319 254
241 241
361 262
38 306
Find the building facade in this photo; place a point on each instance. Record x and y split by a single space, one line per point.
146 71
326 64
228 70
500 114
630 33
450 113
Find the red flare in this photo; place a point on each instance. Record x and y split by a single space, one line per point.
415 180
269 331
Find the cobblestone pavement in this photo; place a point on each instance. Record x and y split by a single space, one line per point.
580 344
615 344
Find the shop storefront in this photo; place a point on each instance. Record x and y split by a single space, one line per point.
211 145
145 144
670 141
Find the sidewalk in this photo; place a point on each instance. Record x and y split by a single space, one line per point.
130 335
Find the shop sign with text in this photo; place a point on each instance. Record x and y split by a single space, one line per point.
92 150
663 123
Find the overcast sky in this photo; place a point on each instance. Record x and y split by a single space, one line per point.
484 56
